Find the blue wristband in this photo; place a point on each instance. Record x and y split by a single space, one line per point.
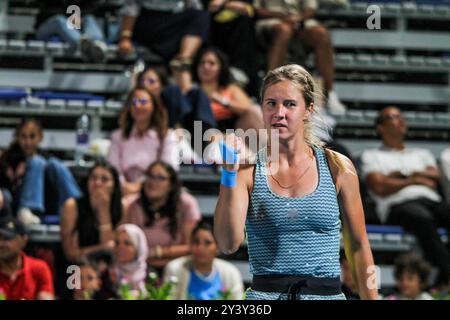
228 178
229 154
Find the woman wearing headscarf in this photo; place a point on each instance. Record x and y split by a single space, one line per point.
130 255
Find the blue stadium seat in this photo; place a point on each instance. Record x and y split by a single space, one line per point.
67 96
12 93
50 219
387 230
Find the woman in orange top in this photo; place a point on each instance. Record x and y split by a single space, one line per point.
231 106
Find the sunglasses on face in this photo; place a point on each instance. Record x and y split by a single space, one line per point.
136 102
150 81
155 177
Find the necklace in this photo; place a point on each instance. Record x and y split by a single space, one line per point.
296 181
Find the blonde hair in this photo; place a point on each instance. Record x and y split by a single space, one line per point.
310 92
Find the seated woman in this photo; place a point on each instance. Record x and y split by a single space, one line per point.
130 259
88 223
166 215
183 107
231 106
25 174
202 276
143 137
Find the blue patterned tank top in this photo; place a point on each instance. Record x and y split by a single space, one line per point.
294 235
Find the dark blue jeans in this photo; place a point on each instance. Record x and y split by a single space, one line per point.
32 191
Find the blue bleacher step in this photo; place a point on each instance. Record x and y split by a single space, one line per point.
67 96
383 229
50 219
12 93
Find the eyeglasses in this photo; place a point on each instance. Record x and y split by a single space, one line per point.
103 179
137 101
149 80
155 177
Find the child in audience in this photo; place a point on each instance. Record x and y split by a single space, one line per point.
411 273
202 276
26 174
90 282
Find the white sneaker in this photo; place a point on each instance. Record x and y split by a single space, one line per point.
27 217
334 105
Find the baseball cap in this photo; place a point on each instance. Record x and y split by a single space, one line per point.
10 227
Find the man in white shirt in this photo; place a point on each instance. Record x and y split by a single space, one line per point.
403 182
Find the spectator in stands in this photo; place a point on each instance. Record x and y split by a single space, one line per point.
445 166
233 32
5 203
202 276
403 182
143 137
27 176
282 21
183 107
130 258
90 282
88 223
85 34
21 277
173 29
165 213
411 273
231 106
